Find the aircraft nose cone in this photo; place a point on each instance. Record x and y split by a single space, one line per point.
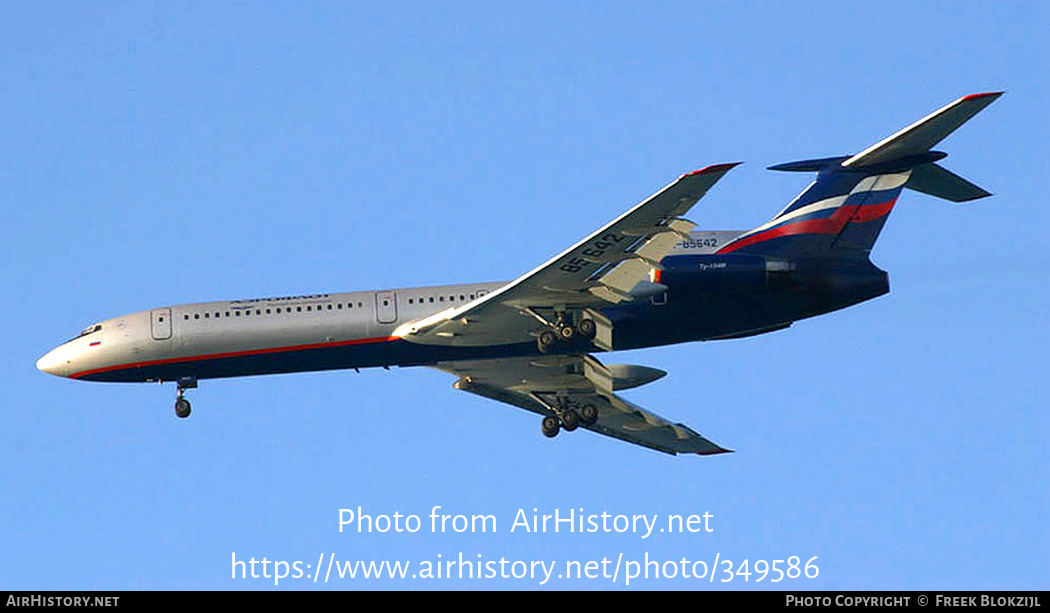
50 363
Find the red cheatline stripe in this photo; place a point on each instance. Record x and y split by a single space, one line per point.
830 225
234 354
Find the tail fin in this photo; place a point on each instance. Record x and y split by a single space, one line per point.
843 211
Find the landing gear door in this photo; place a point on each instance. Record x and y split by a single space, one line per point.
160 324
386 307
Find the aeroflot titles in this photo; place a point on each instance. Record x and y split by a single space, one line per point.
304 297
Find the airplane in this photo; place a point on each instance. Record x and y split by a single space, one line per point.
644 279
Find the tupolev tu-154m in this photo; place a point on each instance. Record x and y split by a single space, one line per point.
644 279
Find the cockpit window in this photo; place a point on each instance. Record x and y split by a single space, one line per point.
88 330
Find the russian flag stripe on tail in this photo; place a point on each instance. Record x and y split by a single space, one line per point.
834 202
842 212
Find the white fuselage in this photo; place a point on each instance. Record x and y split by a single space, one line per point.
212 330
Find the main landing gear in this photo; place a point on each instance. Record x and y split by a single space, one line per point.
570 419
182 406
565 332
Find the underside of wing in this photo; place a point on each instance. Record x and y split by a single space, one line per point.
555 386
612 265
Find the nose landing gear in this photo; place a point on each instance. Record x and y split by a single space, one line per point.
182 406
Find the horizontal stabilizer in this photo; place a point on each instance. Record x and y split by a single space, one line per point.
935 180
922 135
809 165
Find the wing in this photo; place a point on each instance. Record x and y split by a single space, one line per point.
550 385
611 265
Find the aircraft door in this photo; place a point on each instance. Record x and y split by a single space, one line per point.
386 307
160 324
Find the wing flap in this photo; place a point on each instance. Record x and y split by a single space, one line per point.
548 384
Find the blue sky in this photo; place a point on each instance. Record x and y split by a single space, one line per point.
159 154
